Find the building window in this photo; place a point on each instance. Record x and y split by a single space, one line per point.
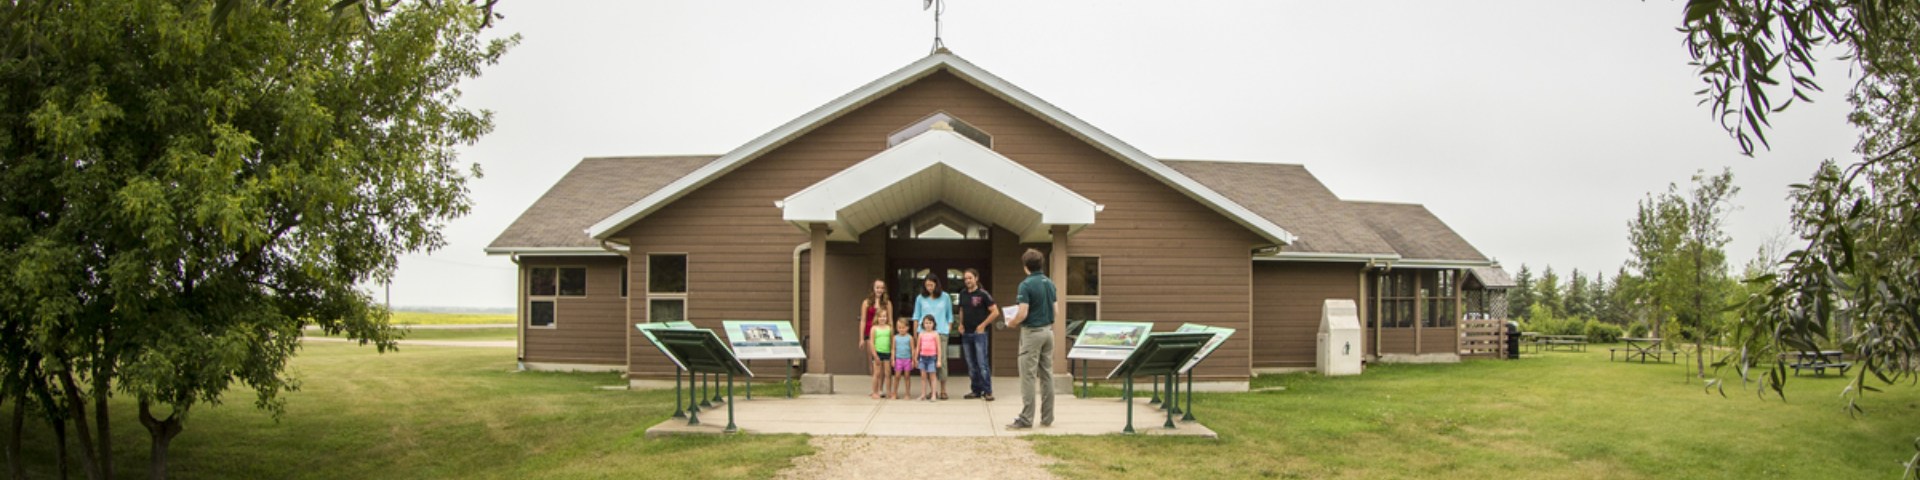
666 288
546 285
1438 289
961 127
1083 288
540 313
1395 296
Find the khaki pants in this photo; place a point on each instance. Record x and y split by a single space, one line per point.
942 375
1036 364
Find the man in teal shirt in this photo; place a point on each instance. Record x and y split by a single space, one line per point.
1035 318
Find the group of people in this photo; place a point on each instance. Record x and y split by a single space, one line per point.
901 346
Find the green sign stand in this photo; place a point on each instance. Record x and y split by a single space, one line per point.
702 351
1160 354
1220 337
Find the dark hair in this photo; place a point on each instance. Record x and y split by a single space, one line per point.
928 318
975 273
1034 260
939 283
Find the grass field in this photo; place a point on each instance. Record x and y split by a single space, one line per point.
1556 415
449 334
434 412
438 318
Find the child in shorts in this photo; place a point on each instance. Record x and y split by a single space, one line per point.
902 358
929 349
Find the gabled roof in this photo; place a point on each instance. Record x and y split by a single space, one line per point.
1415 233
941 60
936 166
595 188
1331 229
1293 198
1492 278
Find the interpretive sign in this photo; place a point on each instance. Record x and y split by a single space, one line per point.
1108 340
647 329
1219 337
764 340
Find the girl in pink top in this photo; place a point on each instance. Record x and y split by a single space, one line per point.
928 346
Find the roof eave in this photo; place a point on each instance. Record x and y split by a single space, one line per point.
980 77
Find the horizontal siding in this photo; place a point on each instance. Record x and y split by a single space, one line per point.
589 329
1287 303
1165 258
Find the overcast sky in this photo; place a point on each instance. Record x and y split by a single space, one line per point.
1530 127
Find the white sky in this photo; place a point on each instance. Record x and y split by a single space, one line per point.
1530 127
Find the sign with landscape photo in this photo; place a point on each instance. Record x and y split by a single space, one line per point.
1108 340
763 339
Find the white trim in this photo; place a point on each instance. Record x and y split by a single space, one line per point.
973 74
574 367
937 154
550 251
1441 263
1327 257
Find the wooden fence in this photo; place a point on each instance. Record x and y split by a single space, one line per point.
1483 338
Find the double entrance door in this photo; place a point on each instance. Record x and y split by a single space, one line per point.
909 262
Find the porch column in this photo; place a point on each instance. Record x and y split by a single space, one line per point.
1058 270
817 298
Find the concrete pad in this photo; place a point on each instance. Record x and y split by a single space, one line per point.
859 415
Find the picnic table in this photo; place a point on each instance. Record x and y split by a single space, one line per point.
1642 347
1551 342
1819 361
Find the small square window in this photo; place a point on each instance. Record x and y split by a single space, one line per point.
1083 311
666 310
667 273
573 282
540 313
1083 276
541 282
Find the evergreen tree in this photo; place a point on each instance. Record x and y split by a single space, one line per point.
1579 302
1520 297
1547 293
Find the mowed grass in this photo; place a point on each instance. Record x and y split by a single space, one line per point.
1554 415
488 334
440 318
433 412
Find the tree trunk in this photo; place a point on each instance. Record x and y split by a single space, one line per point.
60 446
78 408
15 464
102 386
163 431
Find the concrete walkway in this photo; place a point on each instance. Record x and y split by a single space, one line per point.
859 415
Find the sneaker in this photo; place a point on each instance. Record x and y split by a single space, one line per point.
1046 423
971 396
1019 425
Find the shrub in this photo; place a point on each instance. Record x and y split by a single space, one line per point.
1598 332
1639 330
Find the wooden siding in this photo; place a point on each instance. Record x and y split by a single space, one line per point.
1393 340
589 329
1165 257
1287 298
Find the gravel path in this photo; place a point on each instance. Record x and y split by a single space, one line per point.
887 458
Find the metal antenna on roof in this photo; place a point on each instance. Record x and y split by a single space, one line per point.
938 7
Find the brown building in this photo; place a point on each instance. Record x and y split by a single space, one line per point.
941 166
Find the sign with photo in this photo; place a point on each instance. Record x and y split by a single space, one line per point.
1220 335
1108 340
763 340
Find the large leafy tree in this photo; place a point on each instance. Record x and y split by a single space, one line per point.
190 183
1854 279
1679 246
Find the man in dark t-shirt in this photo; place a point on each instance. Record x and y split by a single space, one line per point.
977 313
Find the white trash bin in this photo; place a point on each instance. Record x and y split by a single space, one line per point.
1339 342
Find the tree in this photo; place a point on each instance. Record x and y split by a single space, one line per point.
189 184
1579 301
1679 247
1546 293
1520 298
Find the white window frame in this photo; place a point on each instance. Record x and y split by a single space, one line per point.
528 297
1072 299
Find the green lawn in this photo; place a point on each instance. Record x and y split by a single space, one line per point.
448 334
435 412
1554 415
437 318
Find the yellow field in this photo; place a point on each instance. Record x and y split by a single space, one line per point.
435 318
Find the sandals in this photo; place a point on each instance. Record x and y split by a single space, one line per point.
943 396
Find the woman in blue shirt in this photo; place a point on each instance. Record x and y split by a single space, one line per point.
933 300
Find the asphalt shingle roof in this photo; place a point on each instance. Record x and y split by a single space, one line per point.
593 190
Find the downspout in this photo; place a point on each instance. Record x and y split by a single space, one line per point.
797 250
519 313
